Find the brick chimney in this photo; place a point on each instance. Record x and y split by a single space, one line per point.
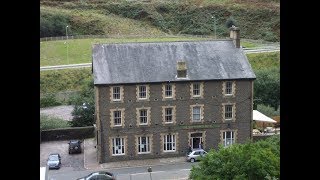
181 69
235 35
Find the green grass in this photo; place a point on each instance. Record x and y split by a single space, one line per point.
260 61
79 50
49 122
63 80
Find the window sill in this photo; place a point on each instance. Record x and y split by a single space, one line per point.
141 153
118 154
169 151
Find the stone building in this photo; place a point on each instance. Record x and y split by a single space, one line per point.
154 99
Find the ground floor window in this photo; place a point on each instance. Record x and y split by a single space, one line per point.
118 146
169 143
144 144
228 138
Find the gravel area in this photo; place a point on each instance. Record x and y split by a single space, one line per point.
73 162
63 112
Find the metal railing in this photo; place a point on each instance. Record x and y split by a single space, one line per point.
119 36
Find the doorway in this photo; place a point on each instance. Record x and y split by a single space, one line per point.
196 139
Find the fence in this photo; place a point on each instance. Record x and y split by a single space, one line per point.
118 36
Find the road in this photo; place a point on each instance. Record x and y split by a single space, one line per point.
164 172
84 65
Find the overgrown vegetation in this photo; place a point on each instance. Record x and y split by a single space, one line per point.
267 85
259 160
256 19
62 80
83 112
49 100
49 122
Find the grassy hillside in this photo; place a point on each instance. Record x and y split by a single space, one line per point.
80 50
258 19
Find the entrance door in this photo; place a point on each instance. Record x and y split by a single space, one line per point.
196 138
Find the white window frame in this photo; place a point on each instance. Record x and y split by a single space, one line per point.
193 114
114 117
140 92
146 145
228 141
118 147
144 116
168 91
166 115
118 93
229 88
227 112
194 89
171 143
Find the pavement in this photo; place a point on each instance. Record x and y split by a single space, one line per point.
91 163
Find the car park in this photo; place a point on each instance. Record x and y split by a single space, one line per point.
195 155
75 146
100 175
54 161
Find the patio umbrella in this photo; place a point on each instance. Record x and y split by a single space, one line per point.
258 116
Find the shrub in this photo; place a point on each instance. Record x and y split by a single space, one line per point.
53 24
260 160
49 100
48 122
83 114
267 86
267 110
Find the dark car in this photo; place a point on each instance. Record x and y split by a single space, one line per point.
54 161
100 175
74 146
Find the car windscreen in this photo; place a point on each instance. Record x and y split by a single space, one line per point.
53 158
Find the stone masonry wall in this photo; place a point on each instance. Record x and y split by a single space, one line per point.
212 100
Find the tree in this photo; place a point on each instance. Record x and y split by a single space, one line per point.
260 160
84 107
267 87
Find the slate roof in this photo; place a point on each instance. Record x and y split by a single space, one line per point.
156 62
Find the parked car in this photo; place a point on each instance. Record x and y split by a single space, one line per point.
100 175
54 161
74 146
195 155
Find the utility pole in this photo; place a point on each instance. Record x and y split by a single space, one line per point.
67 44
215 27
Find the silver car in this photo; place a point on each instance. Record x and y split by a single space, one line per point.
195 155
54 161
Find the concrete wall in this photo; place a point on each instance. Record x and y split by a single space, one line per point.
212 123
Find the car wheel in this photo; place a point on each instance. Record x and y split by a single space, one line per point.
192 160
69 152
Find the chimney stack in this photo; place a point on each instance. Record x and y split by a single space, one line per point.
235 35
181 69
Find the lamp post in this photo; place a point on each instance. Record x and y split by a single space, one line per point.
67 44
215 27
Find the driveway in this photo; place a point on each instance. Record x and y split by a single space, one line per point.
63 112
68 161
